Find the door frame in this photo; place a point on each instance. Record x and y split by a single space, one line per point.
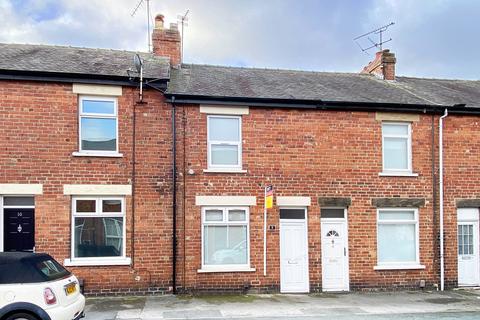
2 216
346 261
466 217
307 262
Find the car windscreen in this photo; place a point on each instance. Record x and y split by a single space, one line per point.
51 269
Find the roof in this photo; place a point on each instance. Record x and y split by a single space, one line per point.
22 267
78 61
217 81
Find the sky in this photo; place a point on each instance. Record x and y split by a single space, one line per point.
431 38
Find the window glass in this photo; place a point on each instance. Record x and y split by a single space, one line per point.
396 215
395 129
396 153
98 106
332 213
292 214
214 215
465 240
51 269
18 201
225 245
224 154
396 243
86 206
236 215
98 237
111 205
224 129
99 134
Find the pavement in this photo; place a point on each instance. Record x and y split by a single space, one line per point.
448 305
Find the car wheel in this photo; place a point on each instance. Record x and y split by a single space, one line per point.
21 316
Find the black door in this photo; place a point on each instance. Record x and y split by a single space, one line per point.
19 227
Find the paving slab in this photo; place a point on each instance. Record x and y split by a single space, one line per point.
458 304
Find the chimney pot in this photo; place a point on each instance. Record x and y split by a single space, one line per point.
159 19
166 42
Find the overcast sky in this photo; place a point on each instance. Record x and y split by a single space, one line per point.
431 38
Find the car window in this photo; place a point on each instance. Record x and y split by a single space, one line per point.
51 269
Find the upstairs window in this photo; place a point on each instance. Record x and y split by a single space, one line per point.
98 125
224 142
397 147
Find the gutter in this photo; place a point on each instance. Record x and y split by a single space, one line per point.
72 78
442 262
458 109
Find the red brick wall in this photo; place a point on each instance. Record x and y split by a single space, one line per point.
461 179
306 153
39 130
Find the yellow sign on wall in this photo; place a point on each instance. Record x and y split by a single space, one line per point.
269 197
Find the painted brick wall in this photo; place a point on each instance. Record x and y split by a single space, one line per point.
39 130
305 153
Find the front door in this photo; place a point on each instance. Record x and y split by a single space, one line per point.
468 247
19 227
293 251
335 274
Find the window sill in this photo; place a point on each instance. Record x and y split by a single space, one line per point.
399 267
98 154
219 170
226 269
97 262
397 174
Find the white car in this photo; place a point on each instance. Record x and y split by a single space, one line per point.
34 286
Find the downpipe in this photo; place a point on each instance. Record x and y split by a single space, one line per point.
442 262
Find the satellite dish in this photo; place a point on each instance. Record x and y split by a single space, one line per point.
138 62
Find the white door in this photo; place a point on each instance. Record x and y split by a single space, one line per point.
293 255
468 246
334 255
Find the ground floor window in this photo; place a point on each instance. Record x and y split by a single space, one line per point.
397 237
98 225
225 237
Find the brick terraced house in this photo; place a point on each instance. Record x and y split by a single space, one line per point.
163 189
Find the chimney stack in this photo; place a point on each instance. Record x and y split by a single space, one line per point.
383 66
166 42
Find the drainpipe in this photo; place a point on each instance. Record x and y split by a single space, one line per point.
174 200
442 264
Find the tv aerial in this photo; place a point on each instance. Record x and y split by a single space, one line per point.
183 19
373 44
139 4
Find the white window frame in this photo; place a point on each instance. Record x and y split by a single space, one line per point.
94 115
88 261
400 264
226 267
238 143
408 170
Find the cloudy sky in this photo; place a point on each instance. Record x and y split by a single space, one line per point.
431 38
